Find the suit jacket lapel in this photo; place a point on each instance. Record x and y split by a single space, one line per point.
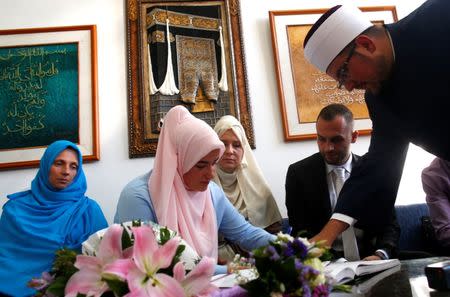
320 178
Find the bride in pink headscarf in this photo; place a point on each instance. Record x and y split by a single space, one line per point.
178 192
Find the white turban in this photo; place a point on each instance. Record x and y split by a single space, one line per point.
334 34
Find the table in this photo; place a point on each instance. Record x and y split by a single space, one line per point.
409 281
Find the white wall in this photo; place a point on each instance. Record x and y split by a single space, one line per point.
107 177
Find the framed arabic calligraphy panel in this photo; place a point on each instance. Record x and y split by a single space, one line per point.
48 91
183 53
303 90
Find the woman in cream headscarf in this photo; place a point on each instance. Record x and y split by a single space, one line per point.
178 193
242 181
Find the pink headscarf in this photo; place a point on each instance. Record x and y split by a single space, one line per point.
184 140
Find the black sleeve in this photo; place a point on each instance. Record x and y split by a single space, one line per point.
370 192
387 240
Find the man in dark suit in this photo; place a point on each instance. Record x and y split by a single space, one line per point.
312 188
403 68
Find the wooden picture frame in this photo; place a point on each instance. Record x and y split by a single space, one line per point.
193 27
48 91
304 90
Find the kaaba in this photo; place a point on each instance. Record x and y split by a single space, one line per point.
188 65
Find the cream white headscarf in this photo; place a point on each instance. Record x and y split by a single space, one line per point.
246 188
184 140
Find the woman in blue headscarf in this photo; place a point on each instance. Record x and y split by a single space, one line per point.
53 214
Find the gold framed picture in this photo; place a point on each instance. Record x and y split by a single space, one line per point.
303 90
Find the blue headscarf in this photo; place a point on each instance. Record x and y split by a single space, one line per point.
37 222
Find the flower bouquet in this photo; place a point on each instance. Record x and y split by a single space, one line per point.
143 261
289 267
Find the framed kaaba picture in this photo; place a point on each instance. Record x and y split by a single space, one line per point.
186 53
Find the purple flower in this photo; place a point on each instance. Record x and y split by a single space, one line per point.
304 269
300 249
306 290
290 254
321 291
305 272
312 270
273 252
235 291
308 271
298 265
288 251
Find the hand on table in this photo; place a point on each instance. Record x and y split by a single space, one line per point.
330 232
372 258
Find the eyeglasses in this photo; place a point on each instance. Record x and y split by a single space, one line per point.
342 73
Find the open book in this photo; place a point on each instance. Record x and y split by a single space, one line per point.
365 283
343 271
362 285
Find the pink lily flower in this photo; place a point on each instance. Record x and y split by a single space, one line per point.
198 281
143 277
89 279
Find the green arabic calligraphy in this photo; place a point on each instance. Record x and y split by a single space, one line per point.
36 82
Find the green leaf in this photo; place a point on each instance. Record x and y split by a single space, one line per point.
326 256
179 251
126 240
63 264
288 268
57 287
259 252
119 287
136 223
257 288
342 288
164 235
263 265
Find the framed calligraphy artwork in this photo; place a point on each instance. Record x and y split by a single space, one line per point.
183 53
48 91
303 90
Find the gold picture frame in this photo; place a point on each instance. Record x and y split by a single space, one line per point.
188 24
303 90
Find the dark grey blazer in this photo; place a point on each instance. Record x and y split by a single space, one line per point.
309 209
